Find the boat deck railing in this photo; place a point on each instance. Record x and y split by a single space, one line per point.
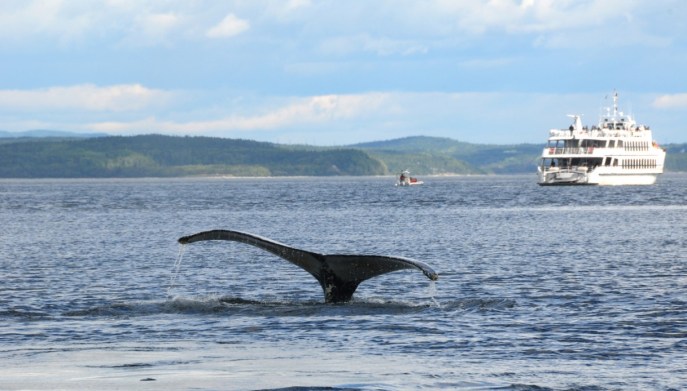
570 151
601 151
599 133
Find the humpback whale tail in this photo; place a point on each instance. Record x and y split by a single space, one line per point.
338 274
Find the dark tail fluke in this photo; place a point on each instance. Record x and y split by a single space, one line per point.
338 274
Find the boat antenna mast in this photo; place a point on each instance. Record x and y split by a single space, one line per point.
616 112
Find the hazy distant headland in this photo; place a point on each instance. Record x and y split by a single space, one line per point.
51 154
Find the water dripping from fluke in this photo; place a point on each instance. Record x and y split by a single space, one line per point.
175 269
433 293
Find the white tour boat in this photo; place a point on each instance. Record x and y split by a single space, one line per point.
617 151
404 179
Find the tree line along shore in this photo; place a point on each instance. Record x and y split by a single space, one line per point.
172 156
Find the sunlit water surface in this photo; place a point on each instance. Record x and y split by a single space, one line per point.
540 288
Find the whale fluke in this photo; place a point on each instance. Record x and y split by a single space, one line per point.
338 274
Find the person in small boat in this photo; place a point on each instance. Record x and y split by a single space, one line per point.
402 178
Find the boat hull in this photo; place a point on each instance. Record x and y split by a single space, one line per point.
620 180
595 178
405 183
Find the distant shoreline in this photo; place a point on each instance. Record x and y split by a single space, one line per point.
157 156
277 178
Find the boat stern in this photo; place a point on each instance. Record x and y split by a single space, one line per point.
556 176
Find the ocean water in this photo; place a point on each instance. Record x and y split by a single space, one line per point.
554 288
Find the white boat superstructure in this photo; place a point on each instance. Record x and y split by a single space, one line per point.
617 151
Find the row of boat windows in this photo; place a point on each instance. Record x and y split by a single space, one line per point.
636 146
637 163
627 145
607 161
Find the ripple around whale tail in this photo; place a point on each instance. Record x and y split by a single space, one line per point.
237 306
338 274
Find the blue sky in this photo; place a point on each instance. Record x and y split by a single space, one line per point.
337 72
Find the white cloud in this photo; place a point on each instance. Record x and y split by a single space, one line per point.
341 119
534 15
156 27
43 18
295 4
388 46
133 23
410 27
563 23
381 46
481 117
301 111
673 101
86 97
230 26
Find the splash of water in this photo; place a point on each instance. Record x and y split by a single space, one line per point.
176 269
433 292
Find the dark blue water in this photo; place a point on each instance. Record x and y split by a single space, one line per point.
540 288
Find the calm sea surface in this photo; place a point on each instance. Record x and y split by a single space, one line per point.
568 288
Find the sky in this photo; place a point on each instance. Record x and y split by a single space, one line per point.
340 72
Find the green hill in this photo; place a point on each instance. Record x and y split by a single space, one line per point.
676 157
167 156
163 156
435 155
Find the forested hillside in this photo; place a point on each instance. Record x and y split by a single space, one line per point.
162 156
435 155
165 156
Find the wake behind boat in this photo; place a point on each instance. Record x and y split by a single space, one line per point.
617 151
404 179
